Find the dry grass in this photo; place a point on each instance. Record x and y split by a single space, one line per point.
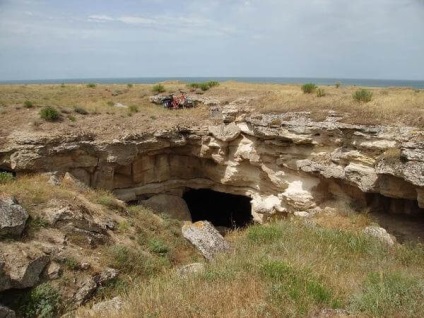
398 106
287 269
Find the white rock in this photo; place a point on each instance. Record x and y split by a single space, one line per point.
381 234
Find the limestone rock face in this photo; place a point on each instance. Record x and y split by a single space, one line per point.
12 217
206 238
20 265
172 205
287 156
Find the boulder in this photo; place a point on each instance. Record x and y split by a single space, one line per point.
108 306
6 312
172 205
13 217
206 238
20 265
381 234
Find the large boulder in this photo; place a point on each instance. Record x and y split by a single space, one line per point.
206 238
172 205
380 234
13 217
20 265
6 312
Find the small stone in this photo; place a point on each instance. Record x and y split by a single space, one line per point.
53 270
108 306
381 234
302 214
191 269
84 266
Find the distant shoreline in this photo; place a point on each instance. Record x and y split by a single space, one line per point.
272 80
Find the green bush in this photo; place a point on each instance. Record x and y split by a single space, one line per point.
91 85
320 92
308 88
28 104
133 109
204 86
129 85
43 301
362 95
338 84
158 88
49 113
6 177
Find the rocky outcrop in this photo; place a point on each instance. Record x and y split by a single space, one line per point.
13 217
20 265
6 312
206 238
283 162
90 285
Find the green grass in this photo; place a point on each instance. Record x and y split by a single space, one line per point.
91 85
204 86
28 104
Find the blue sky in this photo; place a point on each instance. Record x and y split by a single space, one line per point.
46 39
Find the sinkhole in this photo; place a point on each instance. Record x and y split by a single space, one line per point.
221 209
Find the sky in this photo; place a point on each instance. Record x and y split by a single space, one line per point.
52 39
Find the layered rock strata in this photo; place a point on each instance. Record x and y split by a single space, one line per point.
284 162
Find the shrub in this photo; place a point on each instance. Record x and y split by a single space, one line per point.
320 92
6 177
43 301
91 85
308 88
362 95
72 118
49 113
158 88
338 84
28 104
133 109
204 86
129 85
80 110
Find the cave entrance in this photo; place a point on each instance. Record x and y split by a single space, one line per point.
221 209
400 217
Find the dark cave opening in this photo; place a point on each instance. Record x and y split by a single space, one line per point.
400 217
221 209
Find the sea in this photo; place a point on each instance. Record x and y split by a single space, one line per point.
416 84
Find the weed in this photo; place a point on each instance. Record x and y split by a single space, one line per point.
308 88
91 85
158 88
338 84
80 110
71 263
158 247
72 118
110 103
129 85
6 177
362 95
28 104
133 109
42 301
49 113
320 92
